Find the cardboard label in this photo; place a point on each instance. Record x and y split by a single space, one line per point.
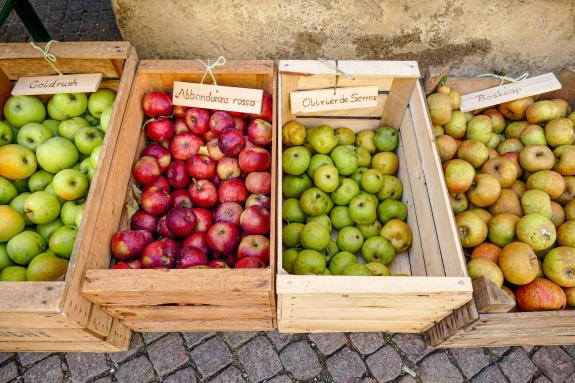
227 98
326 99
509 92
68 83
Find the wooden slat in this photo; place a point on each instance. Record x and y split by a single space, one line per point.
365 313
202 326
239 68
16 68
78 50
59 346
48 335
397 101
451 325
432 78
119 336
34 320
490 298
200 312
373 112
567 92
326 325
398 69
41 297
328 81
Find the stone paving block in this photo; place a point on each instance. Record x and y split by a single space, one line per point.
345 366
85 366
105 379
366 342
138 370
489 375
279 340
149 337
29 358
4 356
183 376
385 364
517 367
211 356
167 354
570 350
236 339
229 375
498 351
259 359
412 345
300 360
195 338
280 379
136 344
438 368
8 372
555 363
406 379
541 379
328 343
48 370
470 360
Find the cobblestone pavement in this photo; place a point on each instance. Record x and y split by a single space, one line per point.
276 358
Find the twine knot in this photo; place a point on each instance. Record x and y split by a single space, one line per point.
502 77
338 72
210 68
49 57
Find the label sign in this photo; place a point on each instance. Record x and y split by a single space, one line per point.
509 92
68 83
326 99
227 98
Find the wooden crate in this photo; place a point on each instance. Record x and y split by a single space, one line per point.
439 282
178 300
466 327
54 316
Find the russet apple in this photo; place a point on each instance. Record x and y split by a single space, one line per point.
557 214
565 160
566 234
569 192
519 187
549 181
508 202
569 210
487 251
540 295
514 157
440 110
459 175
533 135
497 120
502 228
458 202
484 191
570 295
456 127
515 110
481 267
479 129
536 157
483 214
509 145
536 202
541 111
398 234
537 231
473 152
514 129
559 266
518 263
494 141
471 229
501 168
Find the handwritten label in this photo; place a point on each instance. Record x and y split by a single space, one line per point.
68 83
326 99
227 98
509 92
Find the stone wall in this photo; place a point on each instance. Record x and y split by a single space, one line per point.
469 35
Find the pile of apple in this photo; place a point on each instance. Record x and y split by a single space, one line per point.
205 187
341 199
510 172
48 157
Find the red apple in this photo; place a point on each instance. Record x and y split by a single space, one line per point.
216 180
231 142
201 167
267 111
135 263
190 257
160 254
254 159
160 130
255 246
160 153
228 167
229 212
160 183
197 239
181 221
180 126
203 193
218 264
240 124
179 111
204 219
182 198
220 121
197 120
230 258
232 190
258 200
209 135
177 174
223 237
255 220
214 150
250 144
162 228
121 266
146 170
185 145
156 201
249 263
143 221
156 104
260 132
237 114
129 244
259 182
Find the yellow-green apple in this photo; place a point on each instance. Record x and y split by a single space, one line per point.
385 162
392 188
57 154
562 107
494 141
446 146
484 191
436 129
572 117
492 153
458 202
295 160
23 247
473 152
501 168
514 157
536 202
518 263
508 202
87 139
559 132
100 100
39 180
105 118
456 127
536 157
364 139
398 234
54 113
557 214
549 181
459 175
568 193
62 241
41 207
537 231
566 234
322 139
70 184
570 294
21 110
481 267
541 111
7 191
69 128
569 210
487 251
515 110
326 178
483 214
479 129
559 266
33 134
502 229
519 187
6 133
533 134
345 136
439 105
70 104
540 295
471 229
11 224
497 120
509 145
17 162
514 129
565 160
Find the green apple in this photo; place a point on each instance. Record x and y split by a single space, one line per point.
314 236
330 250
323 139
389 209
79 215
33 134
291 212
93 121
54 113
69 128
365 139
21 185
18 205
100 100
322 219
350 239
362 209
46 230
56 154
70 104
326 178
392 188
85 167
370 229
69 211
339 217
46 267
62 241
41 207
20 110
5 260
95 156
378 269
290 234
378 249
340 261
371 181
11 224
371 197
345 136
6 134
357 175
316 161
363 157
326 272
329 204
105 118
309 262
288 259
295 160
346 191
13 274
70 184
87 139
52 125
39 180
313 202
357 269
294 186
386 139
7 191
25 246
345 159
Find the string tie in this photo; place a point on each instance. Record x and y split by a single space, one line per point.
338 72
502 78
49 57
210 68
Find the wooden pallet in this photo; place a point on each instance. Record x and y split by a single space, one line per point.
439 282
178 300
54 316
467 327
